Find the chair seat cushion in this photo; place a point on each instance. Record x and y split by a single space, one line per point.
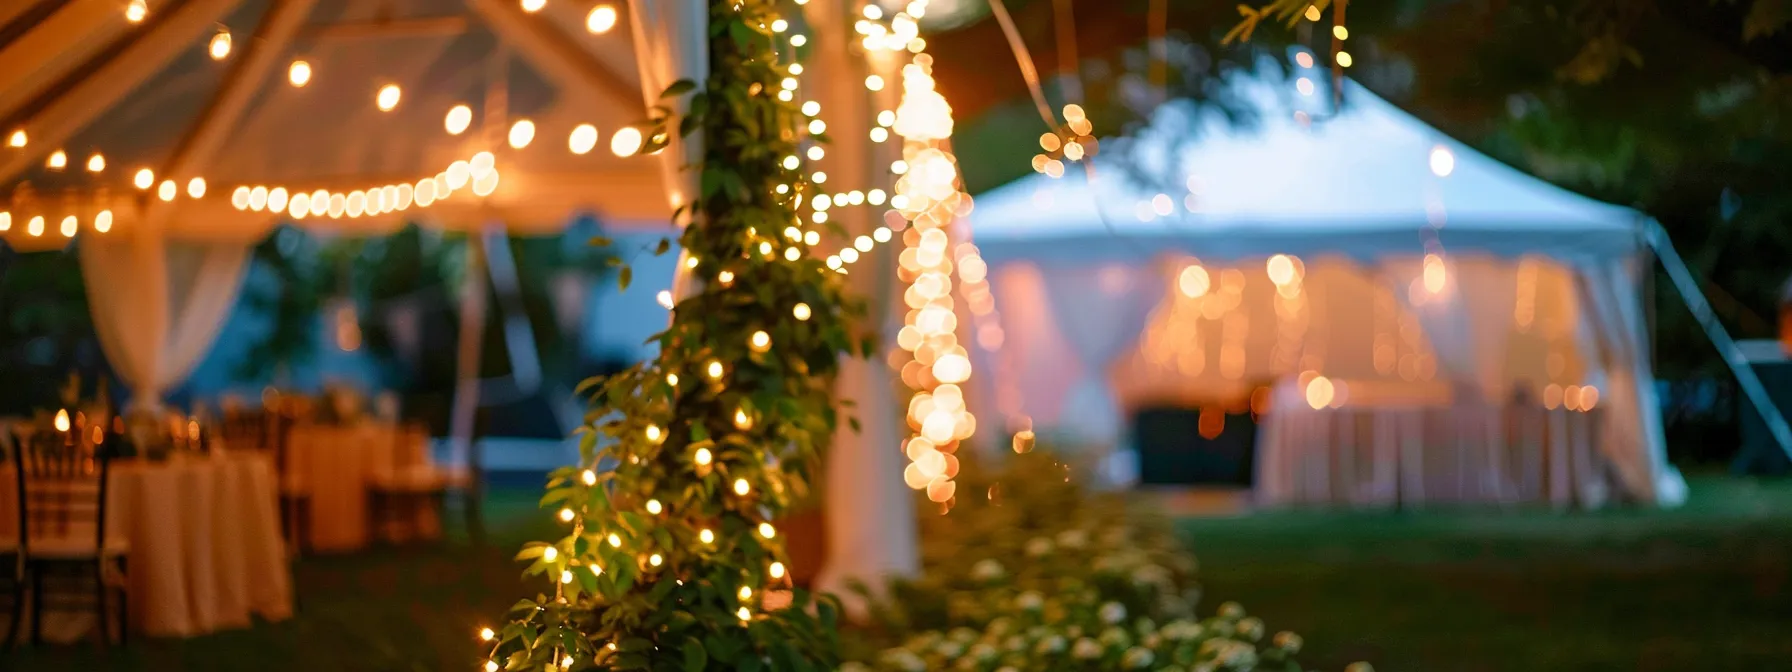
75 548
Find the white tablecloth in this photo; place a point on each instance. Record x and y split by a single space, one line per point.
337 464
204 534
1412 456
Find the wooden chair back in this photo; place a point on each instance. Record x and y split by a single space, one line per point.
62 482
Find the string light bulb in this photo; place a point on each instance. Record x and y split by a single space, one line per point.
167 190
760 341
57 161
742 421
801 312
459 119
533 6
521 134
136 11
655 560
196 187
615 541
388 97
626 141
298 74
220 45
741 487
486 634
777 570
714 370
601 19
589 477
101 222
703 457
566 515
582 140
96 163
70 226
550 554
706 536
17 138
654 507
766 530
746 593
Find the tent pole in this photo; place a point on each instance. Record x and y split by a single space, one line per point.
466 379
1746 379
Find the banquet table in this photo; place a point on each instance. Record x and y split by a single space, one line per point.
337 464
204 535
1414 455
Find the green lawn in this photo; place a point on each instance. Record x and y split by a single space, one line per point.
1703 588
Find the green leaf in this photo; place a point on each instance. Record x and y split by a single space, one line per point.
679 88
664 246
600 241
695 657
623 277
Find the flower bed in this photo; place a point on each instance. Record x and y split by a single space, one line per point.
1031 572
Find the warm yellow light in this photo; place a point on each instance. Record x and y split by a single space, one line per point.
486 634
220 46
817 127
760 342
672 379
655 560
626 142
145 179
1344 60
136 11
766 530
1443 161
491 666
167 190
550 554
566 515
277 199
566 576
874 82
298 74
1193 281
741 487
742 421
35 227
533 6
5 221
1341 32
780 25
801 311
96 163
196 187
70 226
17 139
254 199
615 541
459 119
706 536
777 570
1435 275
57 161
654 507
601 19
521 134
744 614
1280 269
388 97
725 278
714 370
1312 13
103 222
582 140
798 40
703 457
746 593
1320 392
589 477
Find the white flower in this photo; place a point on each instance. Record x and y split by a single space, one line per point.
963 635
986 570
1039 546
1251 628
984 653
1137 659
949 649
1231 610
1287 641
905 660
1015 643
1050 645
854 666
1113 613
1086 649
1029 601
1114 638
1073 539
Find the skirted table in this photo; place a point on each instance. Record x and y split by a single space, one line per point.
204 534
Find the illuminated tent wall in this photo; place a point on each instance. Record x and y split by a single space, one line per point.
1364 248
171 135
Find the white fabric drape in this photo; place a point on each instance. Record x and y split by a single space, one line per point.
1100 311
1634 437
1468 322
158 305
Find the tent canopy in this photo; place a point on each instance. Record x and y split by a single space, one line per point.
1359 183
79 77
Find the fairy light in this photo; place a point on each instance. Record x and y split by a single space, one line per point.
589 477
654 507
298 74
741 487
601 19
57 161
550 554
766 530
17 138
533 6
220 45
566 515
373 201
582 140
626 141
706 536
460 117
521 134
777 570
703 457
136 11
388 96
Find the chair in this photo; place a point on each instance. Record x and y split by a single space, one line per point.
62 486
398 493
274 432
12 560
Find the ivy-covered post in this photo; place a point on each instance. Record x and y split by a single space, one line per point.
671 557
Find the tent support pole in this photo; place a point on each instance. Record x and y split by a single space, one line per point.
1746 379
462 424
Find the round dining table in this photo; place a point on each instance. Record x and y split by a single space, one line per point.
205 551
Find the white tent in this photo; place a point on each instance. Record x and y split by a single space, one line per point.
1424 287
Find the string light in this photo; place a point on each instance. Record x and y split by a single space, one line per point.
521 134
57 161
626 141
486 634
801 311
167 190
196 187
35 227
136 11
69 227
703 457
17 138
601 19
533 6
96 163
706 536
550 554
589 477
766 530
298 74
777 570
566 515
741 487
220 45
583 139
388 97
101 222
654 507
459 119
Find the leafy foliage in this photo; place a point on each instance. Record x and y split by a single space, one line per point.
690 458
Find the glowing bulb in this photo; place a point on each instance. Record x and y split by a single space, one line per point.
725 277
1312 13
791 253
672 379
101 222
5 221
550 554
459 119
582 140
1443 161
196 187
746 593
96 163
388 97
57 161
742 421
589 477
1341 32
798 40
35 227
654 507
777 570
874 82
601 19
744 614
166 191
566 515
136 11
655 560
491 666
791 162
706 536
766 530
258 198
817 127
801 311
1344 60
665 299
760 342
533 6
220 46
17 139
566 576
521 134
880 134
704 457
1193 281
714 370
70 226
626 141
741 487
654 433
615 541
486 634
298 74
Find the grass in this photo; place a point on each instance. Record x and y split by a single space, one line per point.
1706 587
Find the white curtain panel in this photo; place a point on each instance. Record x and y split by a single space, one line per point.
1100 311
1634 439
158 305
1468 322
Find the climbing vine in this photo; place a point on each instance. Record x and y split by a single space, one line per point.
671 557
